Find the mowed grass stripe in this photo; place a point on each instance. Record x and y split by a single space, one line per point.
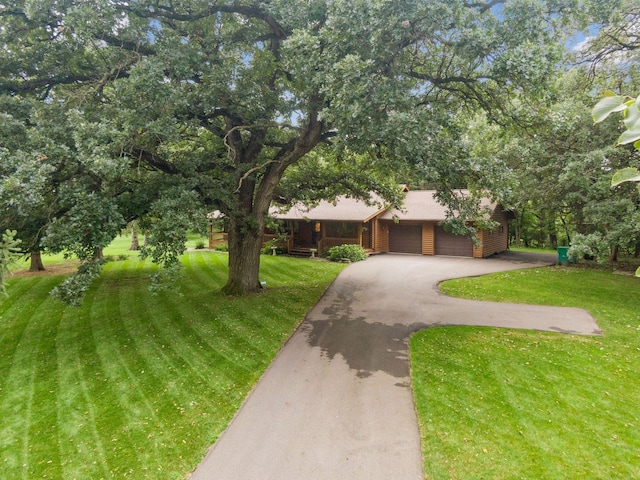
27 383
197 347
171 351
44 422
209 267
173 385
217 375
212 264
25 295
193 352
227 325
123 364
131 384
205 336
103 419
16 289
286 270
131 404
276 270
78 402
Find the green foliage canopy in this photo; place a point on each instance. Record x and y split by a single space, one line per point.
215 102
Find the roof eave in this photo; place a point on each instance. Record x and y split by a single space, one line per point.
374 215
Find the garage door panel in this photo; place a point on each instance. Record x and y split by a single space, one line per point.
454 245
405 238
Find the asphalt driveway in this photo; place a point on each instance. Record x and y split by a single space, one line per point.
336 403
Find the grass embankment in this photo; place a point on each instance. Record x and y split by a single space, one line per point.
509 404
132 385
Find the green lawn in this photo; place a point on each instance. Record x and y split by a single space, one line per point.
532 250
132 385
502 404
119 247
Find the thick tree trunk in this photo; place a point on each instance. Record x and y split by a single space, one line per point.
518 224
613 254
36 262
252 198
135 245
245 242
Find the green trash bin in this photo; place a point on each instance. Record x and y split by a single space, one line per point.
563 255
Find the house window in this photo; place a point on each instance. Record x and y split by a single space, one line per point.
341 230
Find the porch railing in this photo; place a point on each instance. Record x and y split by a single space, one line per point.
327 242
287 242
217 238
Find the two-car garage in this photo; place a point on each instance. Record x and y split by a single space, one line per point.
408 239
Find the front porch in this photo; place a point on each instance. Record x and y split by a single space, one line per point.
301 237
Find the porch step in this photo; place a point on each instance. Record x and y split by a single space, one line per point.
300 252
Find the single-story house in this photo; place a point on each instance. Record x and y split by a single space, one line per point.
416 228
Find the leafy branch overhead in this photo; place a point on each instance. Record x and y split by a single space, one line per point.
630 110
111 109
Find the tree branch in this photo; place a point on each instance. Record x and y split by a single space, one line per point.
250 171
440 81
170 13
35 84
484 6
152 160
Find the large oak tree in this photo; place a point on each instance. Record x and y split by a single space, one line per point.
223 98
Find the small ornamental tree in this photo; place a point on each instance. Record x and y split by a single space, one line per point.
9 253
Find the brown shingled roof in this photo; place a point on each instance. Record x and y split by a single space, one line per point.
344 209
418 205
423 205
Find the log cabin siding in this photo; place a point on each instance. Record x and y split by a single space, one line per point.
478 251
496 240
491 241
428 238
382 237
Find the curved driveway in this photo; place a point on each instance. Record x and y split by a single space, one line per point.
336 403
